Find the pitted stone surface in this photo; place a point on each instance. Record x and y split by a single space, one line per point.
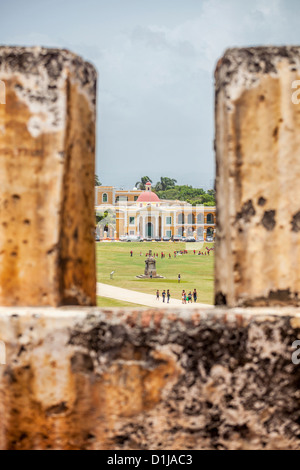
125 379
47 147
258 169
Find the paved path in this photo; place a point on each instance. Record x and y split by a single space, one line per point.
148 300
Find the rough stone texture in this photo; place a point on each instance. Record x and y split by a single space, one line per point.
258 172
85 378
101 379
47 144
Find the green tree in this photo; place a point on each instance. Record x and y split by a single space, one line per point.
165 183
105 218
97 181
194 196
142 184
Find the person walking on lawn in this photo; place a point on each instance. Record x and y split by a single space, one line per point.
168 296
195 295
164 296
157 295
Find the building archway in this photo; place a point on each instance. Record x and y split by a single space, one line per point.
200 219
200 232
191 219
149 230
180 219
210 219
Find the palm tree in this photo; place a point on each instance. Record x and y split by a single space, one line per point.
105 218
97 181
165 183
142 184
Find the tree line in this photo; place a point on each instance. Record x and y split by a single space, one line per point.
167 188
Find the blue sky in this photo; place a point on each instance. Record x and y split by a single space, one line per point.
155 60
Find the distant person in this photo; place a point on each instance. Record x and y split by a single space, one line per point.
157 295
190 297
179 278
164 296
131 253
195 296
168 296
151 275
183 296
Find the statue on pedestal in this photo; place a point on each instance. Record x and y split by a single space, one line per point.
150 268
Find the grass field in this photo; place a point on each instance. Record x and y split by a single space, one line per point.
106 302
196 271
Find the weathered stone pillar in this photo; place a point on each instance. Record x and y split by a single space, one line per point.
258 173
47 144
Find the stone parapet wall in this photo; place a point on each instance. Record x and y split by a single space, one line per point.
86 378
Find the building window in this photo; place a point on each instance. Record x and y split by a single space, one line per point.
131 232
131 220
104 197
210 219
136 198
181 219
169 233
169 221
200 232
191 219
200 219
121 199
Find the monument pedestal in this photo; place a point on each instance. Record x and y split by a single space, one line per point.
150 269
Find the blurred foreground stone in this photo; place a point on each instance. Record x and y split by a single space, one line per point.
47 153
258 172
121 379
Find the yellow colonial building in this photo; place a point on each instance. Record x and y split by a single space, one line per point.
142 214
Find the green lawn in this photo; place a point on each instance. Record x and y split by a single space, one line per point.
196 271
106 302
